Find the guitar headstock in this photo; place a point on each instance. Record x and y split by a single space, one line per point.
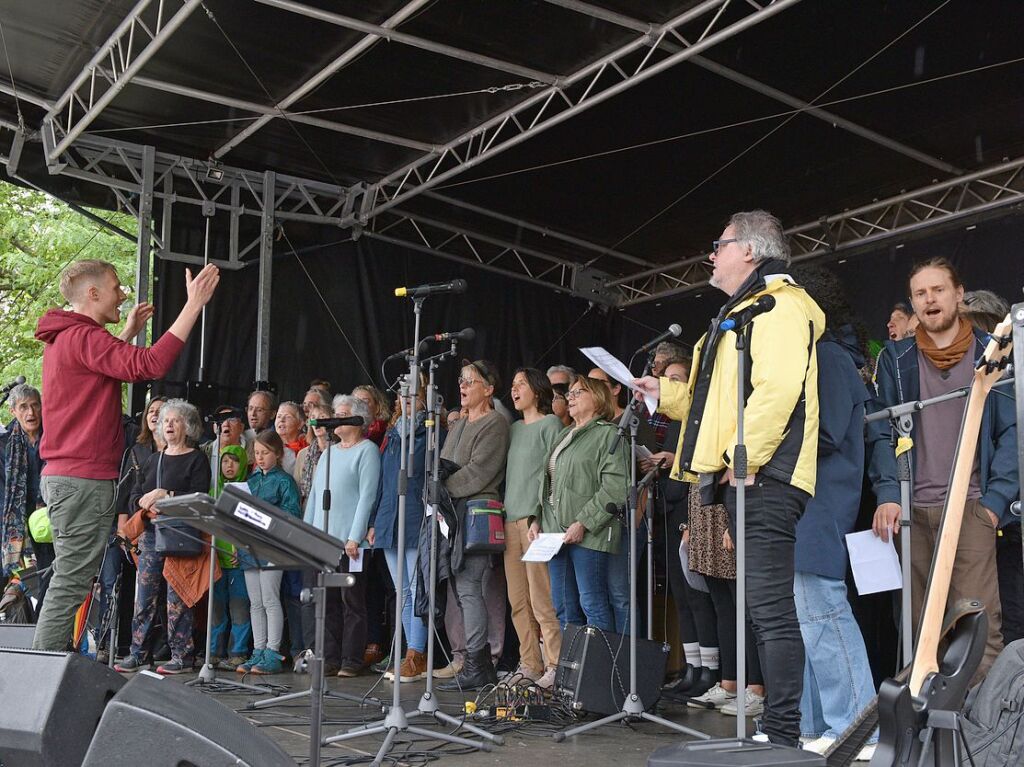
993 362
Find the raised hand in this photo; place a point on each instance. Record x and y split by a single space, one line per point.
201 287
137 319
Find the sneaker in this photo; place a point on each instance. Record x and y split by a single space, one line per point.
759 737
753 706
520 675
171 667
102 657
130 665
414 666
546 681
385 667
349 670
820 745
451 670
215 661
270 663
233 662
716 697
301 664
254 659
866 754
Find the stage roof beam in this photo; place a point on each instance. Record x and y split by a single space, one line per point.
591 85
942 204
92 90
835 120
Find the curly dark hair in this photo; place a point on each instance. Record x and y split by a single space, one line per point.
825 287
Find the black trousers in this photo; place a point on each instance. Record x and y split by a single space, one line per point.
344 621
723 599
772 510
1011 582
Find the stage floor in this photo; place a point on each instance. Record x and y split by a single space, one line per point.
532 744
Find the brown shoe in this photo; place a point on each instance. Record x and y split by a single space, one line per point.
372 654
348 670
451 670
413 667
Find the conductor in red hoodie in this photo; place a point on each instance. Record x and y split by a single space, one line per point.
83 369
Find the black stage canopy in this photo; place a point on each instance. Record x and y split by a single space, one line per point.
591 148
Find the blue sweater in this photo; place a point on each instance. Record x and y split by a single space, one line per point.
832 512
898 380
355 474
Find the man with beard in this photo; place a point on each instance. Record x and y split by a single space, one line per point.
939 358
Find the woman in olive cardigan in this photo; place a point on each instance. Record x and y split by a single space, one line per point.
581 478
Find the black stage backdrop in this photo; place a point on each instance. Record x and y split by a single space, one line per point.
516 322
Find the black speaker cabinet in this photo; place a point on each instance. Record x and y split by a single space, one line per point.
593 670
52 703
732 752
159 722
17 636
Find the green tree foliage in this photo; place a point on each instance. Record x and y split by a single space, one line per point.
39 236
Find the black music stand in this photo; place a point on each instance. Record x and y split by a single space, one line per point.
268 533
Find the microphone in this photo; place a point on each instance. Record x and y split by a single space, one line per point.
334 423
466 334
739 320
21 379
674 331
422 291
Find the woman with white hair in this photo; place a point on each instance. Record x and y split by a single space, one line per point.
355 474
178 469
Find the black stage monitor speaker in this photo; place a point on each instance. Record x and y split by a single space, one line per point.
158 722
590 681
735 753
16 636
52 703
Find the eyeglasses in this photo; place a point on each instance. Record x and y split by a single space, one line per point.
467 381
719 243
575 393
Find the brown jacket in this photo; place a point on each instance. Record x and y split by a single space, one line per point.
188 576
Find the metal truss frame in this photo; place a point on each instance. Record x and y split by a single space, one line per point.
956 200
696 30
134 42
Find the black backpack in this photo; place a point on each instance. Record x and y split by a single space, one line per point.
993 716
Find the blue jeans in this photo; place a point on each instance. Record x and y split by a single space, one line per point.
579 587
415 629
231 608
618 579
837 678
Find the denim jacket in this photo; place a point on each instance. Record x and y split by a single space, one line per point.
897 381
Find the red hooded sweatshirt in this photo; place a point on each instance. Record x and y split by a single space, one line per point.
83 368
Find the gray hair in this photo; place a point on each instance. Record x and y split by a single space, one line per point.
763 233
296 409
669 349
271 399
563 369
320 394
981 302
22 392
355 405
189 414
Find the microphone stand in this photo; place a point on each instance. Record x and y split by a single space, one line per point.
633 707
396 720
740 473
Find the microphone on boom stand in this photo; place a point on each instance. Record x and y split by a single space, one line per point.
334 423
422 291
674 331
742 318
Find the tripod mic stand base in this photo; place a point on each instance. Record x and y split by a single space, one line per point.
628 713
208 678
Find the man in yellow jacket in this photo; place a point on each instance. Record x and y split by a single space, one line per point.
780 433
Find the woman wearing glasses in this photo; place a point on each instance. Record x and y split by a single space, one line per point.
581 478
478 445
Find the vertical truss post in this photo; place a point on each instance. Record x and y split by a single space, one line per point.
143 253
266 263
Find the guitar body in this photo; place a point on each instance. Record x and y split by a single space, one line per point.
902 719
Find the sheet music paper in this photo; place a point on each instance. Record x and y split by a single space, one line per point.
356 565
544 546
874 563
614 367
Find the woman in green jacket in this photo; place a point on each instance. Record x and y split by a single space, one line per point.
581 478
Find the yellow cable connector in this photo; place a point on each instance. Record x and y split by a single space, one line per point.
470 707
903 444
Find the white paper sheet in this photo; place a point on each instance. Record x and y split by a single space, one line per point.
356 565
545 546
874 562
617 370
